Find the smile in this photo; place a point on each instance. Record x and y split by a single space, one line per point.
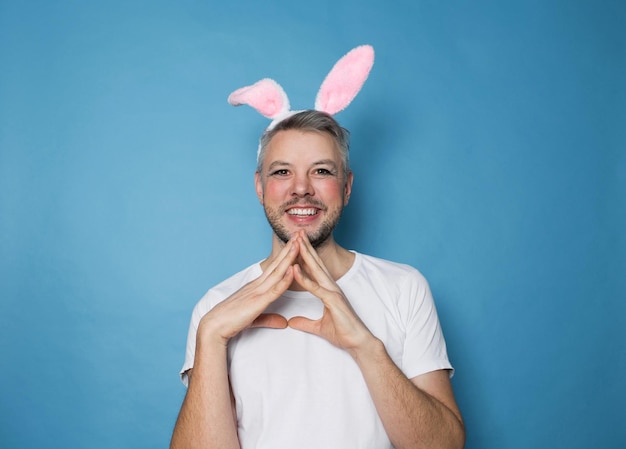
302 211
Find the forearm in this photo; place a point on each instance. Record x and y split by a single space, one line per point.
411 417
206 418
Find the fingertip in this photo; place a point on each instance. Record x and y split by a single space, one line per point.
293 322
297 270
301 324
270 321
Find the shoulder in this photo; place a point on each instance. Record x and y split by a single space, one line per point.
371 265
397 291
385 279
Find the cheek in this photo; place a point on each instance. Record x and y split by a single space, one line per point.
273 190
330 190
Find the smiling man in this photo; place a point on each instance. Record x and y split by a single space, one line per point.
309 196
315 346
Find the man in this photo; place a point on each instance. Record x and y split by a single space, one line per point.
316 346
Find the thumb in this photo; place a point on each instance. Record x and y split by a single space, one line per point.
304 324
271 320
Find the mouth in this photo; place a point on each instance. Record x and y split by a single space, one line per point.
302 211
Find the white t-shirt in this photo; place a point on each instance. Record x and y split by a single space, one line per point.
296 390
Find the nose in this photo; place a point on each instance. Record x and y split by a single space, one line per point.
302 186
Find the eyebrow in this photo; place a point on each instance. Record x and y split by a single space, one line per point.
280 163
330 162
277 164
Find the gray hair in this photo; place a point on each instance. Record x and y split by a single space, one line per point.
310 121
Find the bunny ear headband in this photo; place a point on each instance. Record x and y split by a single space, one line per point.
339 88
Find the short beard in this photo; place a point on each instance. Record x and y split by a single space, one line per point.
317 238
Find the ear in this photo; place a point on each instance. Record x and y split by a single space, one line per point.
258 186
345 80
347 190
266 96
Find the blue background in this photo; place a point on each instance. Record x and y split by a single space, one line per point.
489 152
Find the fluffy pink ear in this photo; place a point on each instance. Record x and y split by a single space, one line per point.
266 96
345 80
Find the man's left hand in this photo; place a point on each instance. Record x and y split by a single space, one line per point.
339 324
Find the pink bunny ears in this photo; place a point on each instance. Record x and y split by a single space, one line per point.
341 85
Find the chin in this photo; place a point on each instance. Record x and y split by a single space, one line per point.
317 237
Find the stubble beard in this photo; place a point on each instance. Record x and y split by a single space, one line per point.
317 237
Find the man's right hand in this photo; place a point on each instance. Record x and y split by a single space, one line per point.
244 308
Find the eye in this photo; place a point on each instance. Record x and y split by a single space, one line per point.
280 172
323 171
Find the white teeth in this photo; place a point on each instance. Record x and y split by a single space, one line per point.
296 211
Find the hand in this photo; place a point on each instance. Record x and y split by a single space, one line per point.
244 308
339 323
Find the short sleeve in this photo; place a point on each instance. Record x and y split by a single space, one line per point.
198 312
425 346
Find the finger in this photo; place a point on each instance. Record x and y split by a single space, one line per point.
315 267
285 253
306 282
305 325
333 299
307 247
277 280
283 283
255 304
273 288
270 320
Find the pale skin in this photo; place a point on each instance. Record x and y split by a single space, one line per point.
417 413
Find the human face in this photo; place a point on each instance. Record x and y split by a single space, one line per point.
302 185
